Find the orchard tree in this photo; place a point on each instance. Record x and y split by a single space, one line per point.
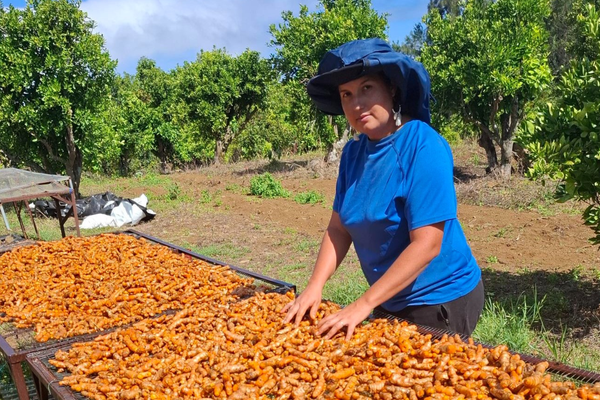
565 142
132 121
561 34
446 7
154 88
489 64
301 41
55 77
271 132
414 41
219 94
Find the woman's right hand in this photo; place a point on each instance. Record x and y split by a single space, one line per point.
310 298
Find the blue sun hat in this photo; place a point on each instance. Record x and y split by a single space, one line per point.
367 56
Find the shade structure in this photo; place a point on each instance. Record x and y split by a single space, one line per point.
18 186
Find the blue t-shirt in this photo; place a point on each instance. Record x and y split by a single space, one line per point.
387 188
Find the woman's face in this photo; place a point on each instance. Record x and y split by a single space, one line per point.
367 103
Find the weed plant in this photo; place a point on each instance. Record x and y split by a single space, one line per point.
310 197
265 185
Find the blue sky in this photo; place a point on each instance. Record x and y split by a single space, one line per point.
174 31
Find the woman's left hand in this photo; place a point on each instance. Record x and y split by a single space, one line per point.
348 317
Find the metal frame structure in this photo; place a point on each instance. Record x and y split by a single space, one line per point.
51 189
14 357
46 380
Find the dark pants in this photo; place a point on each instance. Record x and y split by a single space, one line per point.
460 315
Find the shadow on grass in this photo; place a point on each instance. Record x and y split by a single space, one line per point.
274 166
567 299
465 175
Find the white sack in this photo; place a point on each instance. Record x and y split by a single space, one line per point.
97 221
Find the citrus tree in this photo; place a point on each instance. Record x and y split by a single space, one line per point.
565 142
301 41
489 64
55 78
218 95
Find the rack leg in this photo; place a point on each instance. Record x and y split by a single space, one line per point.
41 390
18 210
60 219
32 220
74 208
16 371
4 216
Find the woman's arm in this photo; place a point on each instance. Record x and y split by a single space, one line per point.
334 246
425 245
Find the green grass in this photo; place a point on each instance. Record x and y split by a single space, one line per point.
295 272
48 228
510 323
235 188
503 232
346 286
225 252
307 245
492 259
518 324
309 197
153 179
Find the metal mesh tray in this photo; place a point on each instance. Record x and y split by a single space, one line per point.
47 377
14 340
12 241
17 343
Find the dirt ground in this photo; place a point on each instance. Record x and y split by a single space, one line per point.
525 247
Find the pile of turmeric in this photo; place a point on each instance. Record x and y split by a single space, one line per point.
81 285
243 350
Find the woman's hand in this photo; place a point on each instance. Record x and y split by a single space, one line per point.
310 298
348 317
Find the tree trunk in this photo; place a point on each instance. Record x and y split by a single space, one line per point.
506 156
162 156
487 143
509 123
218 152
334 154
334 150
74 171
74 160
124 165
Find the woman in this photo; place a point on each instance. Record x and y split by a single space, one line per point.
395 198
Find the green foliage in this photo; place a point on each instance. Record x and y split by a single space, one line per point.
561 35
446 7
265 185
564 142
218 95
414 41
301 41
511 323
489 65
55 77
584 43
492 259
174 192
309 197
271 132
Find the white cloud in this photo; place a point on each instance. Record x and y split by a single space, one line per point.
174 31
167 29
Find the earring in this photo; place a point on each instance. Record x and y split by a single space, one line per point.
398 116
